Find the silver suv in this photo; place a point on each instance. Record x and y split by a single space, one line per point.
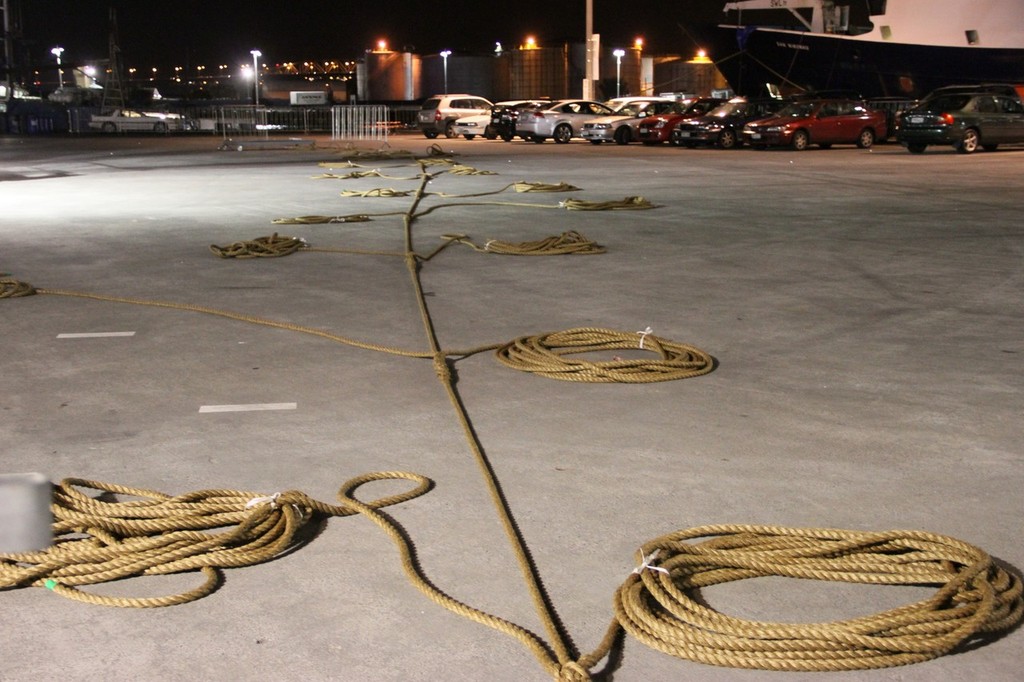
439 112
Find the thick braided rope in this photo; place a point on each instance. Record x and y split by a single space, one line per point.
98 541
273 246
567 243
12 288
548 355
656 604
377 192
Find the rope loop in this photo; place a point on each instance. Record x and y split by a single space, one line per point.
547 355
12 288
629 203
321 219
974 595
273 246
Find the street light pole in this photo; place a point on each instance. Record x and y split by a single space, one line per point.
444 55
619 54
256 54
57 52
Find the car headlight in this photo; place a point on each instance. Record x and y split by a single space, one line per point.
602 126
659 124
748 128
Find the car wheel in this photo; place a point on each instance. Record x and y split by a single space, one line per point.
469 137
537 138
990 147
489 133
866 138
916 147
727 139
449 130
109 127
800 140
969 143
623 135
429 134
506 137
563 133
160 127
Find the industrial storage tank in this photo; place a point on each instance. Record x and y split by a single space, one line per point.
538 72
473 74
387 76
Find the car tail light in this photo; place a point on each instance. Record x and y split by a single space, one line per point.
437 114
947 119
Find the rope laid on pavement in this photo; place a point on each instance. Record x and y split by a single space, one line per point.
99 541
273 246
571 242
659 605
547 355
12 288
653 604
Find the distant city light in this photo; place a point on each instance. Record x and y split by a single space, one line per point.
382 46
638 44
531 43
57 52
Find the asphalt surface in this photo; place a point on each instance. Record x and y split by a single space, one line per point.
864 309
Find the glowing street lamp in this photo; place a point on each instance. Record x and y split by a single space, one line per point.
57 52
444 55
619 54
256 54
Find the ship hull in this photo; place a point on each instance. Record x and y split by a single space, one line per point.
751 57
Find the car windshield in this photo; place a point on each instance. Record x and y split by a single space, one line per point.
944 103
726 109
798 110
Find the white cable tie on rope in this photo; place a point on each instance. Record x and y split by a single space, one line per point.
647 563
643 335
271 499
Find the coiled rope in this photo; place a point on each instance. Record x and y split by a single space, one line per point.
98 541
321 219
547 355
12 288
567 243
273 246
629 203
657 604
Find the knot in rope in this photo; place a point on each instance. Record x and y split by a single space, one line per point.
12 288
547 355
442 368
974 596
273 246
573 672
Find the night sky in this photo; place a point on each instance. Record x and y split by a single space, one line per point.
187 33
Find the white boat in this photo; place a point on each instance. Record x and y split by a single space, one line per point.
878 48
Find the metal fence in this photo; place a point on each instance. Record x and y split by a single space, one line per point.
361 122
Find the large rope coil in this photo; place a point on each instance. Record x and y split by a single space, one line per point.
657 604
98 541
548 355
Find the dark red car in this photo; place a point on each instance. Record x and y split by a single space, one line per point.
823 122
658 129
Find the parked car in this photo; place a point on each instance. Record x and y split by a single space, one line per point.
561 120
723 125
658 129
480 124
964 120
438 113
132 121
621 126
504 117
822 122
